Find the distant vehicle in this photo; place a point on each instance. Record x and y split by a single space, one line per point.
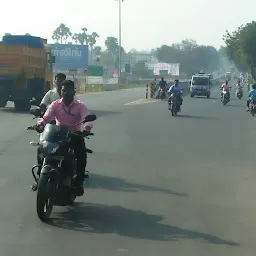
200 85
228 76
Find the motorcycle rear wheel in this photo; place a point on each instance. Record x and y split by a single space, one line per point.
44 204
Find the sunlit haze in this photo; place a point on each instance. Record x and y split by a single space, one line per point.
145 24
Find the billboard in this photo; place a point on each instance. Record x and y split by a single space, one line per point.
68 56
167 68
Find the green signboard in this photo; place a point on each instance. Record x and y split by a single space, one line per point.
94 70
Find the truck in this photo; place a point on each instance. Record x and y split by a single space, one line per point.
200 85
26 70
228 76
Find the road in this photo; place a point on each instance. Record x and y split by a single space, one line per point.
159 184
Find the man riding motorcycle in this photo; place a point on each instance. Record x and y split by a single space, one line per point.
69 111
252 97
238 86
162 85
225 87
177 91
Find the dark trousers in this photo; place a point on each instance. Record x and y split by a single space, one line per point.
248 103
77 143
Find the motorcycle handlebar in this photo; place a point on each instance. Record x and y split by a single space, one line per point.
31 128
82 134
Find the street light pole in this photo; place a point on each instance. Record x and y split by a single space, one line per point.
120 37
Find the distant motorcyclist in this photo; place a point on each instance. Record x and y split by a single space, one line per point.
177 91
162 85
252 97
238 85
225 87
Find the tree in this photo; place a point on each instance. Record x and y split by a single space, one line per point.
97 50
75 38
142 70
7 34
82 37
62 33
241 46
168 54
27 34
191 56
112 45
92 41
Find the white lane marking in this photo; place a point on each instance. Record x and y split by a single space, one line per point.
141 101
133 102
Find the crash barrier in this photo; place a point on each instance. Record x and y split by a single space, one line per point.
152 90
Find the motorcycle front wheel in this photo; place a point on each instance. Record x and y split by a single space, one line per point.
174 109
44 204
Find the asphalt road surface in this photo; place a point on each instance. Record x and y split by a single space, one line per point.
160 184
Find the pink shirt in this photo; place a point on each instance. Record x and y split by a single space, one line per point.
71 115
225 87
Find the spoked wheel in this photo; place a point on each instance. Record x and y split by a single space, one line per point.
44 204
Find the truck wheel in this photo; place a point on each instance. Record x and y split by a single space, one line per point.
22 105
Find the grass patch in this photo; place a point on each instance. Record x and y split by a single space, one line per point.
92 88
130 86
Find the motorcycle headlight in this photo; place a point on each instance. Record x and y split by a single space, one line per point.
49 147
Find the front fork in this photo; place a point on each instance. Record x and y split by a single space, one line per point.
37 167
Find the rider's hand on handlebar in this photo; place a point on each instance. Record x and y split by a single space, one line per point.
88 128
38 128
86 133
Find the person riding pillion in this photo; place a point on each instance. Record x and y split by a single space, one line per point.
54 94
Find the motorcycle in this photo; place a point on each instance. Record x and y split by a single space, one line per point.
253 107
239 93
56 183
174 105
161 94
225 98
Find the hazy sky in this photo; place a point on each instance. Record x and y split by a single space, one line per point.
146 24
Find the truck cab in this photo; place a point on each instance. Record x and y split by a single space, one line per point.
200 85
228 76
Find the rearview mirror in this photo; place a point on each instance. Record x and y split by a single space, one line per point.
36 112
90 118
34 102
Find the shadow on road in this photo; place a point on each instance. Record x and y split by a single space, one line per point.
197 117
104 219
237 106
205 98
119 184
101 113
